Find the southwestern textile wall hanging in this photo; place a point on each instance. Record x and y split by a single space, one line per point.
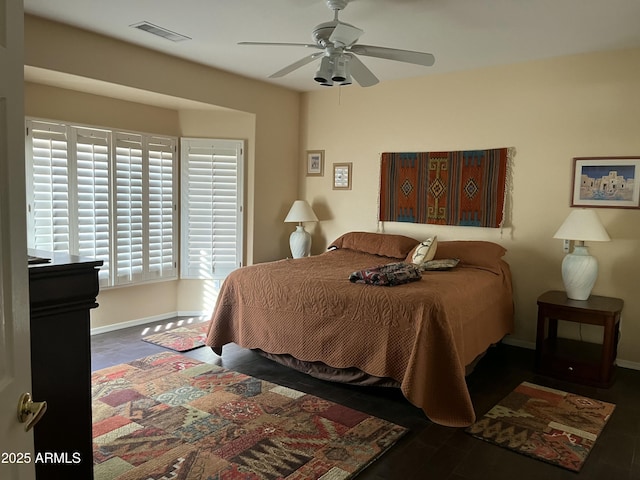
466 188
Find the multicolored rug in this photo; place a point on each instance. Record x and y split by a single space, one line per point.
181 339
550 425
169 416
465 188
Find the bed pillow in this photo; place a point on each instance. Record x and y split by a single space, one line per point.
384 244
473 253
423 252
440 264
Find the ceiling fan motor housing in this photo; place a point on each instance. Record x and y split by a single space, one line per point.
337 4
322 33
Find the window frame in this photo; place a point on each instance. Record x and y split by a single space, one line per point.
70 130
199 269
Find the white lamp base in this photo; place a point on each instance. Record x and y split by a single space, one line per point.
300 242
579 273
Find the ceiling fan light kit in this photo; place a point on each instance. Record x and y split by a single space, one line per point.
339 69
337 42
333 69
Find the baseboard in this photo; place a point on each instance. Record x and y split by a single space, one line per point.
628 364
516 342
132 323
143 321
194 314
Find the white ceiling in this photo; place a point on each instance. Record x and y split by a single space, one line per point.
462 34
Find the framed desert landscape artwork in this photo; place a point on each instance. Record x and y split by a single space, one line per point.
606 182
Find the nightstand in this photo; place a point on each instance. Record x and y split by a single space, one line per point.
574 360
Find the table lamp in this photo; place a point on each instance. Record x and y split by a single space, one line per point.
300 239
579 268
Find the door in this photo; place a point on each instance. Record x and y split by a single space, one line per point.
16 446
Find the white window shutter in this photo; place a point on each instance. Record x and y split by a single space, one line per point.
48 208
163 232
91 204
105 195
130 208
145 204
211 207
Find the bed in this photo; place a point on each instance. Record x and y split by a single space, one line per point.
419 335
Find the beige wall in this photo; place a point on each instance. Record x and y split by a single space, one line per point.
551 111
201 102
48 102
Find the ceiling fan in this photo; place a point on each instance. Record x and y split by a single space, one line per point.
338 50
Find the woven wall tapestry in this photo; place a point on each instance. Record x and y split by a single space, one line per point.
446 188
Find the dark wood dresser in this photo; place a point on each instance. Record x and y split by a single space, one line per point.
62 291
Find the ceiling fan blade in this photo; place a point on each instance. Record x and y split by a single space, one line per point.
280 44
344 34
361 73
294 66
408 56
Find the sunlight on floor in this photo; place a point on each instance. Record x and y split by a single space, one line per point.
169 324
209 296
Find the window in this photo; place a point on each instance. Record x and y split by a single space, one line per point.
145 208
211 205
104 194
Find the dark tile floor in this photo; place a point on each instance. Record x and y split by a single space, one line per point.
431 451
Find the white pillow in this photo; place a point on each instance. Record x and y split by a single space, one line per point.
425 251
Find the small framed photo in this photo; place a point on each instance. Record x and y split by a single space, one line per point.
342 176
315 163
606 182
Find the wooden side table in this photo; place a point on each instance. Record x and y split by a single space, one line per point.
574 360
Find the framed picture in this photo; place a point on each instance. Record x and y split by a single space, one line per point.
606 182
315 163
342 176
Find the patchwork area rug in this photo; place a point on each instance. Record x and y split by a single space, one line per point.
171 417
181 339
550 425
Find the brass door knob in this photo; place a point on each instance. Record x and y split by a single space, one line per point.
29 411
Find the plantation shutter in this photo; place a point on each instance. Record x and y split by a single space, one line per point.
130 208
48 191
92 201
211 207
163 234
145 208
105 195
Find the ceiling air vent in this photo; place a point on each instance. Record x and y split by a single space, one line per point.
160 32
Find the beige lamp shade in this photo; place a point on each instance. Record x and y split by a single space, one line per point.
300 212
583 225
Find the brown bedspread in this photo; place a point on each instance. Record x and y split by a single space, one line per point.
421 334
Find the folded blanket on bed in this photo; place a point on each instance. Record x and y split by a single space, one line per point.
387 275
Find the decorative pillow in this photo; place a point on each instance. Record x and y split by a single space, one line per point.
441 264
423 252
384 244
473 253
